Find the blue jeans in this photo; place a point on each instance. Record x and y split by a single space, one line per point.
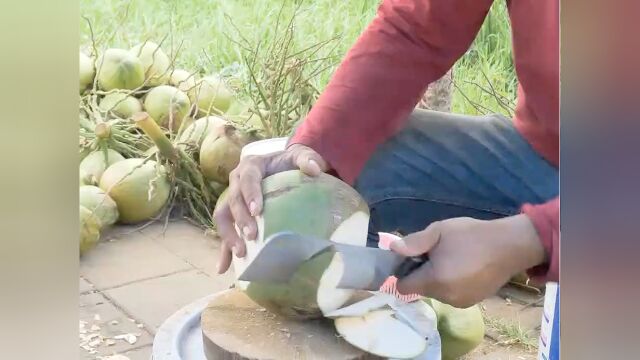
445 165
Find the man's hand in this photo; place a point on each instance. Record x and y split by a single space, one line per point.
244 195
469 259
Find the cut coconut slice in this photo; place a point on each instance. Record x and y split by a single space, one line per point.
361 308
380 333
329 297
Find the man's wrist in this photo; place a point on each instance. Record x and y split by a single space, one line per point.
525 242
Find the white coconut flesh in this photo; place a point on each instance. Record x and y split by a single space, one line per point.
329 297
264 147
324 207
380 333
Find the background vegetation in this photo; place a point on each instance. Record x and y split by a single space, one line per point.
484 79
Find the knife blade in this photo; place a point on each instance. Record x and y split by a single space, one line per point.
365 268
280 257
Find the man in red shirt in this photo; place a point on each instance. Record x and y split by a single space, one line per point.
479 193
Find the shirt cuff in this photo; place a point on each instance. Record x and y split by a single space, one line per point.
546 220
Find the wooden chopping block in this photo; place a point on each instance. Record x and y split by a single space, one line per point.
234 328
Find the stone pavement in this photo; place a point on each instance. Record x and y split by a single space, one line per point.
136 278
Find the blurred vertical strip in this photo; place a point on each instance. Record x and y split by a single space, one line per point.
600 179
38 167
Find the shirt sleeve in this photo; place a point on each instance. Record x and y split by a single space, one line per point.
408 45
546 220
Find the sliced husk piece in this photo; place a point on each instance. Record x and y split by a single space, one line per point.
379 332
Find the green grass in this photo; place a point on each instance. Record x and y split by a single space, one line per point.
200 26
511 333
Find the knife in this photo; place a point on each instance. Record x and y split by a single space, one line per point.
365 268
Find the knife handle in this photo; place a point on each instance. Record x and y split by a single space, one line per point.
410 264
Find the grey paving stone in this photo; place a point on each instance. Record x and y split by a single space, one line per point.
139 354
84 286
153 301
129 259
192 245
97 310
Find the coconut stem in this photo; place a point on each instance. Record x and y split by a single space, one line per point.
103 130
151 128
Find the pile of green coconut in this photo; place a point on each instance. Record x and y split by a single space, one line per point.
154 139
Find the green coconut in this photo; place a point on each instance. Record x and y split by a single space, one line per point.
87 71
168 106
100 204
211 95
182 79
141 189
220 153
195 133
238 108
120 104
119 69
83 153
324 207
461 330
89 230
85 178
220 190
154 62
97 162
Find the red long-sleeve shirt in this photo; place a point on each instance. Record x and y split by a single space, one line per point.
408 45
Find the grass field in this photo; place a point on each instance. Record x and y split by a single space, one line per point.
484 78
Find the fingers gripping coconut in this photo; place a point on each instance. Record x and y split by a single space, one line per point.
243 198
318 205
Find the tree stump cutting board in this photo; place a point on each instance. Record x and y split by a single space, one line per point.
234 327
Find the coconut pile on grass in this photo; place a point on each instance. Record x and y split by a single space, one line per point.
143 125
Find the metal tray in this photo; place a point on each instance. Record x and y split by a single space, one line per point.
180 336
